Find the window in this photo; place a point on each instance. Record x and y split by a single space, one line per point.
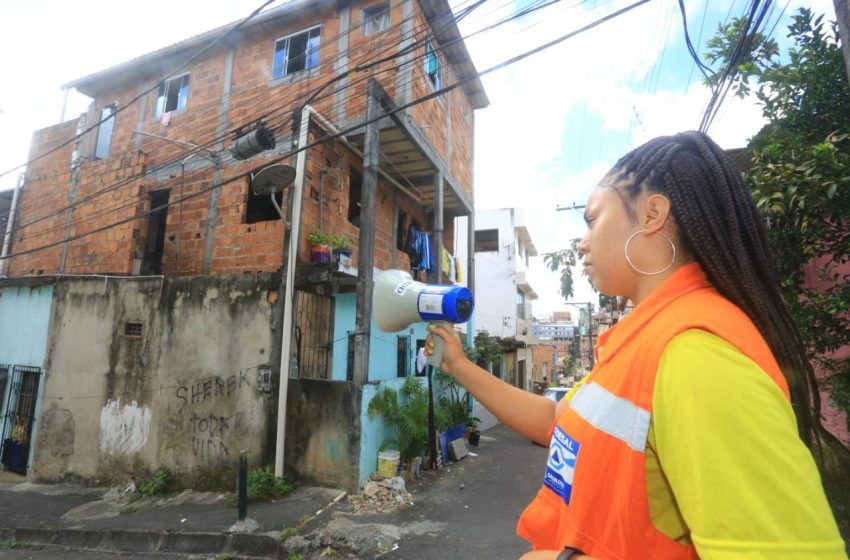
104 132
132 329
261 209
432 65
403 355
171 95
296 53
486 240
401 231
355 185
376 18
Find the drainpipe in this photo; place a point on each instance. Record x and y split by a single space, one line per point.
288 298
10 224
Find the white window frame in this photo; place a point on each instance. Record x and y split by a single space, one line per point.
284 71
162 94
376 18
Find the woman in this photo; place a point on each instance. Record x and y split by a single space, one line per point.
682 442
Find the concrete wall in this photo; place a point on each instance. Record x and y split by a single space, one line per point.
323 432
181 395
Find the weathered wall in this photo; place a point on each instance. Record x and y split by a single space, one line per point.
323 432
181 395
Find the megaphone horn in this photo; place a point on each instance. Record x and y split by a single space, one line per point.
399 301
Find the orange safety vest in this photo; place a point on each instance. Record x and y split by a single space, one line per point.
594 488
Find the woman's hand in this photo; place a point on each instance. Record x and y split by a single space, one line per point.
453 354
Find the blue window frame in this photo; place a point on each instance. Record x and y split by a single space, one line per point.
432 65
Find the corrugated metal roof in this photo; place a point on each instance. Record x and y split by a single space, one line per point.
159 63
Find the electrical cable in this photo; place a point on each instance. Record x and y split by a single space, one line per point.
181 155
397 109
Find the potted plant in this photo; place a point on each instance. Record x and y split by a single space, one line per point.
342 249
454 411
320 246
406 413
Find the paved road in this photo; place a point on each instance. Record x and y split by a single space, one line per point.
478 521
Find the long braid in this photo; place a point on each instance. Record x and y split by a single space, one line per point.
721 227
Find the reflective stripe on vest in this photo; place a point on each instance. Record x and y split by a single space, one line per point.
613 415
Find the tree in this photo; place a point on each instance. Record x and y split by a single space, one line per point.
800 180
563 261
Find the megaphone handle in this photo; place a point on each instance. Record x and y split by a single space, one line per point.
436 357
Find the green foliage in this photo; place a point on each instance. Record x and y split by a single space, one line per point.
563 261
341 242
453 405
264 486
295 556
159 485
226 556
19 545
406 413
316 237
484 351
800 180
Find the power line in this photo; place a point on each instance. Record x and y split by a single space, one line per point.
283 109
360 125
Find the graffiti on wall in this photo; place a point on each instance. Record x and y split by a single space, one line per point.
123 429
210 430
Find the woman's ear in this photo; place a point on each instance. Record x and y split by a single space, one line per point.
655 212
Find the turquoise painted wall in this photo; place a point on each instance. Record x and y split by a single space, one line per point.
24 320
382 348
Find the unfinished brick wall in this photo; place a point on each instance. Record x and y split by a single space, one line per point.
140 166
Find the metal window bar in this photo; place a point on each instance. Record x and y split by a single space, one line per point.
314 332
349 365
19 417
403 355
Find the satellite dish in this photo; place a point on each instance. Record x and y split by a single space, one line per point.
272 179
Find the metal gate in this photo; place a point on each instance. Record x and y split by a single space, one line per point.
17 414
313 334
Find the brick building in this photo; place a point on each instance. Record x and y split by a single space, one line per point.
155 181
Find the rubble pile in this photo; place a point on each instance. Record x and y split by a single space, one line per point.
380 495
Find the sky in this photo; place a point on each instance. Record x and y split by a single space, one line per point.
556 123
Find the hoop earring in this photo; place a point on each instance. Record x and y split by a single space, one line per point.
645 273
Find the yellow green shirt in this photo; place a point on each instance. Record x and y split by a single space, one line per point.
725 467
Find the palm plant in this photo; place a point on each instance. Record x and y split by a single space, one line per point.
407 417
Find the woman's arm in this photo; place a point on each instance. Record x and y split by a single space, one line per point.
526 413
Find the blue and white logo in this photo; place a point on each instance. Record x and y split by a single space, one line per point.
563 452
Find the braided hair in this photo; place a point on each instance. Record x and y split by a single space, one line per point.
721 227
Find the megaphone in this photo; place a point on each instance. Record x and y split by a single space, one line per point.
399 301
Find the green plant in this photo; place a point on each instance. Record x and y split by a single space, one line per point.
341 242
158 485
316 237
226 556
453 405
264 486
484 351
407 417
20 545
295 556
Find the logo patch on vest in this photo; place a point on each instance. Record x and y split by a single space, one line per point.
563 451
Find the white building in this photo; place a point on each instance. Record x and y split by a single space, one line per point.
503 295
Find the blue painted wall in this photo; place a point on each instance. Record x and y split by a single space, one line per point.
382 348
24 320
